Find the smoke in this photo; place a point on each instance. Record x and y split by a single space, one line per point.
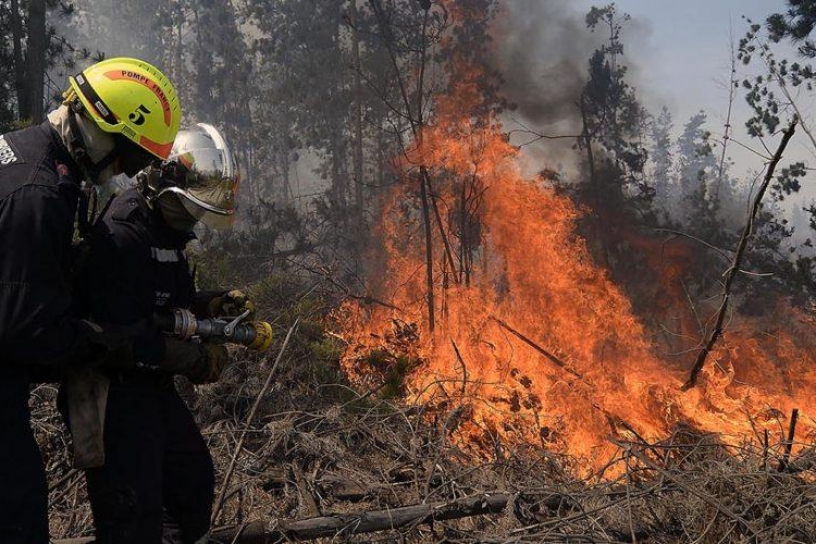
542 50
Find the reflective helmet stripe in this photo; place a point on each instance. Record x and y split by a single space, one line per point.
156 148
95 100
137 101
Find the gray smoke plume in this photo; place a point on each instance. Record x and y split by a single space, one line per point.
542 49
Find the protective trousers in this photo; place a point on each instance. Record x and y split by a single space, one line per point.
23 490
156 460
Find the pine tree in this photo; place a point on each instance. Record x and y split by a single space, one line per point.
662 156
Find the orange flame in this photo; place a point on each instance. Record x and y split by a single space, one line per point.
541 346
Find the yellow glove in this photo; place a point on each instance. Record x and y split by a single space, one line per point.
233 304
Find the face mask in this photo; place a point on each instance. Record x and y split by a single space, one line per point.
175 214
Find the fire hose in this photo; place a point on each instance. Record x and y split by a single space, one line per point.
183 324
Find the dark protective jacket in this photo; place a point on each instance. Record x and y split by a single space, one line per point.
136 267
37 211
156 461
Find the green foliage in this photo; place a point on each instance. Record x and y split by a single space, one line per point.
614 119
788 181
768 93
662 158
773 94
698 209
251 254
28 61
796 24
392 369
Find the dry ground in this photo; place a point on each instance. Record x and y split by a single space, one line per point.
317 446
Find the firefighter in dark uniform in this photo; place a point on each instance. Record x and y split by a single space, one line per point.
156 462
118 115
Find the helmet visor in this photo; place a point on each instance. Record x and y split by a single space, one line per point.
214 206
206 192
204 175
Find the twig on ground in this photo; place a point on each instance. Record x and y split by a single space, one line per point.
219 504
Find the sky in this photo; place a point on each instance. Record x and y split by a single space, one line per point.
686 45
680 54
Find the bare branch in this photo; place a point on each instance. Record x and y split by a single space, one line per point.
732 272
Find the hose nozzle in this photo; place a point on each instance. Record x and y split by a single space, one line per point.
255 335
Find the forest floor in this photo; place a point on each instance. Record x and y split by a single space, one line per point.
317 446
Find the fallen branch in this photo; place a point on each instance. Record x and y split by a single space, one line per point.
219 505
542 351
732 272
350 524
395 518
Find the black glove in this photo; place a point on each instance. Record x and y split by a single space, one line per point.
200 362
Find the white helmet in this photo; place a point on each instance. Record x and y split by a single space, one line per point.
203 173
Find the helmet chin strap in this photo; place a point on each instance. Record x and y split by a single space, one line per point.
80 150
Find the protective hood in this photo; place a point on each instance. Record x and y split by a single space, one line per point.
98 144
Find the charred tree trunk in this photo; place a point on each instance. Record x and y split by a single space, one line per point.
286 189
417 124
35 60
600 231
463 247
358 121
19 61
424 179
203 63
339 183
179 56
249 153
429 275
587 137
281 134
442 232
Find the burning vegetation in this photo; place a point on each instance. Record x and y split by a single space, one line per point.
503 318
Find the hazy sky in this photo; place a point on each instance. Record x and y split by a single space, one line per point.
685 46
681 52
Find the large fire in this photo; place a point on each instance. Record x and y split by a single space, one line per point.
537 344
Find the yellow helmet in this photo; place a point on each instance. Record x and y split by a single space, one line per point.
132 98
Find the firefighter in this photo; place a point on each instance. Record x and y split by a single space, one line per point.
117 116
157 464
